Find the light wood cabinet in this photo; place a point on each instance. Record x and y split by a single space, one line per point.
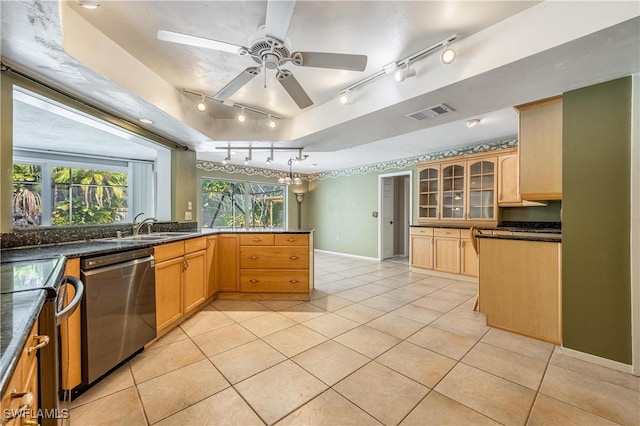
274 263
468 255
212 282
520 287
227 262
422 247
459 190
181 285
508 180
20 400
540 149
71 336
446 250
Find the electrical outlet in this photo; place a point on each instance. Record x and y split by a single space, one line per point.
188 216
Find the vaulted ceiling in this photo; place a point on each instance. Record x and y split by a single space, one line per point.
508 52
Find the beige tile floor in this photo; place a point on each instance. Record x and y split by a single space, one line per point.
377 344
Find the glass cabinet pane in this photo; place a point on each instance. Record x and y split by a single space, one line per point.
481 190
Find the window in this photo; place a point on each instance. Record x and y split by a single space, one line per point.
75 196
242 204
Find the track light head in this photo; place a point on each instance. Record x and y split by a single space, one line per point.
346 98
403 73
473 122
201 105
242 117
448 55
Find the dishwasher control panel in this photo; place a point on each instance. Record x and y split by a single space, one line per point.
88 263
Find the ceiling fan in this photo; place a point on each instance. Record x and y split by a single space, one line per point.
270 49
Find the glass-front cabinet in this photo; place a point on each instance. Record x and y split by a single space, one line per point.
453 197
459 189
482 189
429 184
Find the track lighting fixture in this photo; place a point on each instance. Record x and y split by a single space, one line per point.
346 98
270 157
228 157
403 73
201 105
250 149
448 55
393 67
272 123
242 117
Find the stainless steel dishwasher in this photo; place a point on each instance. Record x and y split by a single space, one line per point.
118 309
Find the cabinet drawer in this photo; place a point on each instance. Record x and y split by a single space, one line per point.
422 231
256 239
168 251
292 239
265 281
195 244
446 232
274 258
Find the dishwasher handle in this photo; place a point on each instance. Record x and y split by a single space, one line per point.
78 286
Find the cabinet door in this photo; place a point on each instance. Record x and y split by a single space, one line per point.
227 264
194 280
446 256
540 149
70 336
168 292
481 186
508 185
422 252
212 283
429 181
453 191
468 258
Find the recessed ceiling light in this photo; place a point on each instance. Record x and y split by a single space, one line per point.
473 122
88 4
314 165
145 120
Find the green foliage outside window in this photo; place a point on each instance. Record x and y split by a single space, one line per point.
231 204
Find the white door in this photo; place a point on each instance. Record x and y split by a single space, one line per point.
387 218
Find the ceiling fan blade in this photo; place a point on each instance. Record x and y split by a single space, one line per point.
279 14
234 85
293 88
190 40
338 61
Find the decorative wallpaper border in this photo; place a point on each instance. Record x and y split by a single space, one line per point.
377 167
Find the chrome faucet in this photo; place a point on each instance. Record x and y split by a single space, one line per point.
138 225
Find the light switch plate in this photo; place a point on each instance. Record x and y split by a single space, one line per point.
188 216
189 205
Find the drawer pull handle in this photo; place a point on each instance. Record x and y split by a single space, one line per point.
293 281
291 239
257 240
44 341
254 281
254 257
294 257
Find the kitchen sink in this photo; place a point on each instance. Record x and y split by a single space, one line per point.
155 236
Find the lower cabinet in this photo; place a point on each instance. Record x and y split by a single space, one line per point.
20 400
447 250
227 262
181 285
212 281
520 287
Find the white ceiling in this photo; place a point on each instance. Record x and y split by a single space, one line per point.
509 52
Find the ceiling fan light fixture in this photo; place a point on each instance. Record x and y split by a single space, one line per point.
448 55
202 107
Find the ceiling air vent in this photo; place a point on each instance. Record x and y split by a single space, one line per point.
430 112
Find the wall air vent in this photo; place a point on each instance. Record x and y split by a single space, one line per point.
430 112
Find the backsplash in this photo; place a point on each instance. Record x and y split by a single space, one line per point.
52 235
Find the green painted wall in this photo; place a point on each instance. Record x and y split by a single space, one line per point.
184 190
340 211
596 283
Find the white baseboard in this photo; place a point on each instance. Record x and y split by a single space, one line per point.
604 362
348 255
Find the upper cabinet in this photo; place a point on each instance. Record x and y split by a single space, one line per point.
458 190
540 149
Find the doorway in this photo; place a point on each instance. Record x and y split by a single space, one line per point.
395 207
